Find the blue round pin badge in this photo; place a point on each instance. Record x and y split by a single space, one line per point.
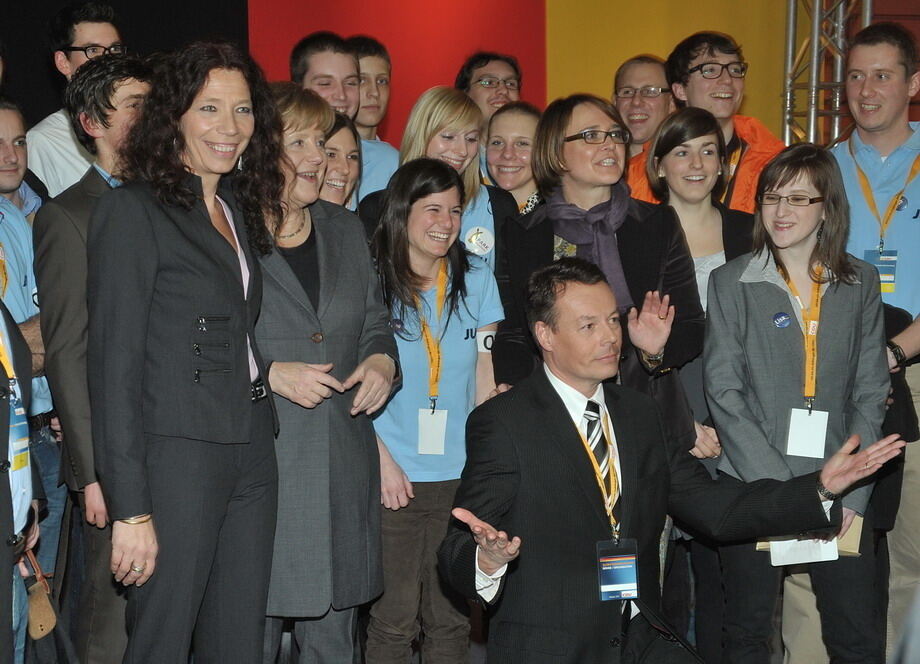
782 320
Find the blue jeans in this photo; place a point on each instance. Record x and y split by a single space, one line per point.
45 452
20 616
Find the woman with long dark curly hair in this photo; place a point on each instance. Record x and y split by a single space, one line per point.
182 421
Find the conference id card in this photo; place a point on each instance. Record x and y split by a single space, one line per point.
432 430
886 262
617 569
807 431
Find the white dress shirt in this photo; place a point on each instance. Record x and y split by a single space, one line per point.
575 403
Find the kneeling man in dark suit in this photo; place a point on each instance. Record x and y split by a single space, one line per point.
566 475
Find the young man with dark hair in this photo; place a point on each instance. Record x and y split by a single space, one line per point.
322 62
379 160
880 164
643 97
103 100
78 32
491 80
707 70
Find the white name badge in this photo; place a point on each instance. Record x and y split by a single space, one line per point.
807 432
432 430
479 240
799 552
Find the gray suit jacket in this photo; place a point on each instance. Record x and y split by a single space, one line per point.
753 369
327 542
59 235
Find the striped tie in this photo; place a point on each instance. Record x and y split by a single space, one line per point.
597 441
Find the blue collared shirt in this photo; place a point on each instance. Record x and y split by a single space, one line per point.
110 179
17 284
886 178
30 200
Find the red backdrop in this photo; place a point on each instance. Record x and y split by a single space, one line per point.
427 41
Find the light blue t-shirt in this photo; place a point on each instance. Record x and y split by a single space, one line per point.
17 284
379 160
477 227
397 424
886 178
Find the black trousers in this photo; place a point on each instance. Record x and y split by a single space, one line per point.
845 594
214 510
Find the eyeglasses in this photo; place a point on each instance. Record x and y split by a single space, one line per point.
490 83
798 200
95 50
646 91
599 136
715 69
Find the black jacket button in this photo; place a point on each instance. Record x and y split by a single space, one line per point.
316 337
615 642
4 465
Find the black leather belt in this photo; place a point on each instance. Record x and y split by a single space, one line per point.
41 420
258 389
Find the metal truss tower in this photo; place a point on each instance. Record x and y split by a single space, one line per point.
815 66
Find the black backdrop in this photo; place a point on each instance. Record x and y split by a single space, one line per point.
29 76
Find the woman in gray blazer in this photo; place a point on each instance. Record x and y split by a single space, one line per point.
324 333
797 307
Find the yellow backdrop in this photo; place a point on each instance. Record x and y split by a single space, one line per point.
588 39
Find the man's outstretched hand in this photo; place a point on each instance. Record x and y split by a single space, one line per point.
845 469
495 547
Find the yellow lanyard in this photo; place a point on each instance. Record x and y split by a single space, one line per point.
610 494
733 162
433 345
883 222
810 318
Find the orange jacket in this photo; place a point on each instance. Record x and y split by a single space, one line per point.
762 146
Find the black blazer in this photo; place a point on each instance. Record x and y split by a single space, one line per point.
22 364
654 255
168 326
527 473
504 208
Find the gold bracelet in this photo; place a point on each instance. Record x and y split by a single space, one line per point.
135 520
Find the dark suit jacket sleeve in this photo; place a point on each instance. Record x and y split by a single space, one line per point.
122 262
513 355
487 488
60 271
678 279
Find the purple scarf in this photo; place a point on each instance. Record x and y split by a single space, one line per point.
594 234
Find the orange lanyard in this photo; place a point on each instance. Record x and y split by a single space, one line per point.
733 162
883 222
610 494
810 318
433 345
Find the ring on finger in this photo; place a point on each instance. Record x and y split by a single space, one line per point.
138 569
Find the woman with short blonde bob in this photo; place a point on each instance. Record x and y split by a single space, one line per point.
324 333
444 124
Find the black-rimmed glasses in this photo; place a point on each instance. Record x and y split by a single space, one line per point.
715 69
599 136
798 200
95 50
